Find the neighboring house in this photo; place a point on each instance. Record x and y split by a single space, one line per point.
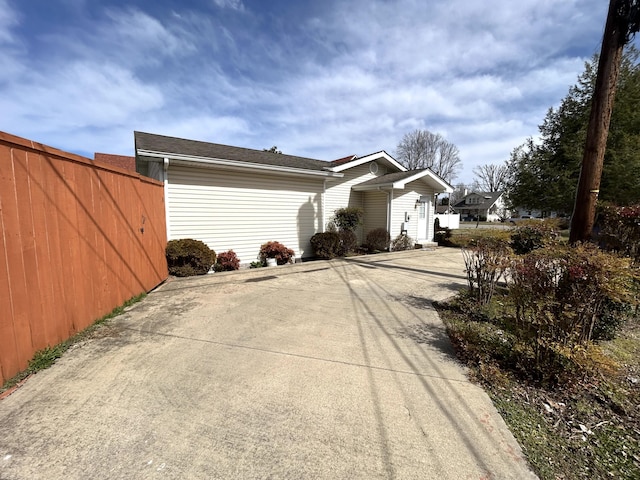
488 206
521 212
121 161
238 198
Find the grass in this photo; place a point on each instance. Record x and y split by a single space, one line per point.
46 357
587 425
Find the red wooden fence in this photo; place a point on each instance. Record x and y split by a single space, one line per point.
77 239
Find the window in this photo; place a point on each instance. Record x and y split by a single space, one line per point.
422 211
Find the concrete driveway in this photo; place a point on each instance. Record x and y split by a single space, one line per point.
324 370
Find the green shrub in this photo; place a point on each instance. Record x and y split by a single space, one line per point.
402 242
348 242
333 244
187 257
257 264
276 250
467 238
326 244
226 262
532 235
378 239
348 218
485 263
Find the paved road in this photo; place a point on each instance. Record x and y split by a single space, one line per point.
325 370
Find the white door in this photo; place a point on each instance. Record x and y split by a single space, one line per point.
422 221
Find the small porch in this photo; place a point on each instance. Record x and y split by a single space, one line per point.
402 202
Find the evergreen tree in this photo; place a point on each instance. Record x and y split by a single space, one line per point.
544 175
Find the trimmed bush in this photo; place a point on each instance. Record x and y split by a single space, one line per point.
378 239
187 257
348 242
402 242
348 218
531 236
282 254
326 244
227 262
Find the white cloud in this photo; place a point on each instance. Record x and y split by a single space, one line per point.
232 4
322 80
80 95
8 19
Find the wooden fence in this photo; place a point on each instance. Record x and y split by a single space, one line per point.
77 239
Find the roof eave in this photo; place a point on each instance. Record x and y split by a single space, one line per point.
236 165
367 158
438 184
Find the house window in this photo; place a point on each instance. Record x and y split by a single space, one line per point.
373 167
422 211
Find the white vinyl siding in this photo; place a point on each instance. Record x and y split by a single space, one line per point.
240 211
339 193
405 201
375 210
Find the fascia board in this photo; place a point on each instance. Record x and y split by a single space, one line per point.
367 158
434 181
236 165
382 186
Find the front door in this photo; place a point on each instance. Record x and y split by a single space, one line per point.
422 220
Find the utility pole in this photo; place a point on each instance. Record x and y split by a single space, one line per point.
622 21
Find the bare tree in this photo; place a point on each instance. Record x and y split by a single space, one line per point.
423 149
459 191
491 177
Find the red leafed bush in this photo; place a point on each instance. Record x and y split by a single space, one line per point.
563 297
276 250
620 230
227 261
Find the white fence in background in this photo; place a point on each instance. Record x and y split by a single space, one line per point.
449 220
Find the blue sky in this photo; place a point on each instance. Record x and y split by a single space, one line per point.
322 79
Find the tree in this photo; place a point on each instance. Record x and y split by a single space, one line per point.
273 149
423 149
491 177
544 174
459 191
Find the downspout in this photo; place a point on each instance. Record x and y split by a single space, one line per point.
390 212
165 178
324 192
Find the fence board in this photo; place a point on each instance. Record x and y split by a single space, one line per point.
77 240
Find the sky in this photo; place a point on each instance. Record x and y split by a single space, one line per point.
321 79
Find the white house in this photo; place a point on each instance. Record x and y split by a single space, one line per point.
236 198
489 206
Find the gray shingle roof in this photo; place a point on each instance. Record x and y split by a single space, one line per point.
489 198
181 146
